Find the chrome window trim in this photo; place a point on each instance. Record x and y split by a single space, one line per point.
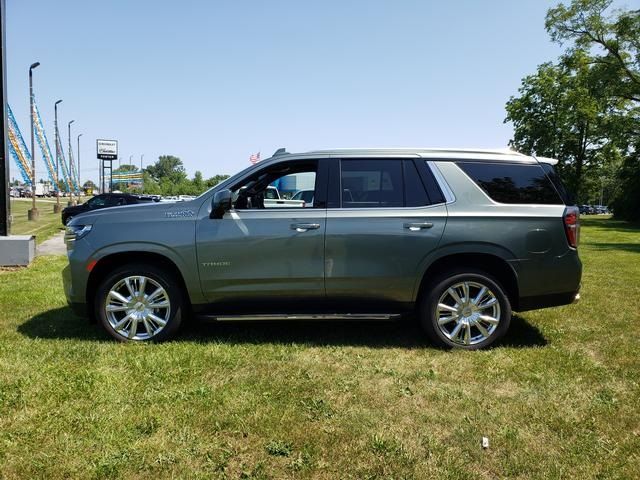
449 197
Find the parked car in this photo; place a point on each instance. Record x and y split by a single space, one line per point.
272 198
101 201
305 195
586 210
459 238
601 210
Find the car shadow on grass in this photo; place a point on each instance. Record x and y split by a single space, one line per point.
62 323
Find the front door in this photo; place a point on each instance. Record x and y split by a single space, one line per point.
261 258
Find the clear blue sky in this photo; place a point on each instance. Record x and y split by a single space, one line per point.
214 81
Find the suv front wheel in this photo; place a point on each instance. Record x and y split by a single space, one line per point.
466 310
139 303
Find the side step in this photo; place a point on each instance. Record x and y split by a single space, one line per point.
303 316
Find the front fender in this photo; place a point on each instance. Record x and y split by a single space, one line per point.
183 257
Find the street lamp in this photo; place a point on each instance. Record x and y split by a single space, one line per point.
70 164
33 213
56 207
78 151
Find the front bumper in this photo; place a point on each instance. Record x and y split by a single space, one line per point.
75 278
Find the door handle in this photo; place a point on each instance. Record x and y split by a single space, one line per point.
417 226
303 227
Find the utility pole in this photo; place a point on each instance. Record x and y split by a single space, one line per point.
71 201
79 177
5 206
56 207
141 175
32 214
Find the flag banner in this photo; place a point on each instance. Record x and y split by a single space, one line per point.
44 145
63 163
72 171
255 158
18 148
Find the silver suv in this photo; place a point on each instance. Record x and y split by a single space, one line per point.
459 238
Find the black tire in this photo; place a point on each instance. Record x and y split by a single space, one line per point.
176 299
433 292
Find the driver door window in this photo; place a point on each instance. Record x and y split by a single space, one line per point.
280 187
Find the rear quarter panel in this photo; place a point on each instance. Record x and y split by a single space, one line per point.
531 238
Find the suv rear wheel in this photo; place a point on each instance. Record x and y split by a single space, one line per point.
139 303
466 310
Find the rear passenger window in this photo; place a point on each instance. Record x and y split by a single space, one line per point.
415 194
372 183
512 183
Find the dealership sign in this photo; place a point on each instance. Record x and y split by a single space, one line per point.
107 149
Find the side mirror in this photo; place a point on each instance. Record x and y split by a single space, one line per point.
221 203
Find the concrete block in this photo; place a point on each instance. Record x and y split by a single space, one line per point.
17 250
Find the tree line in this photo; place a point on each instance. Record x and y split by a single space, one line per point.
167 177
584 108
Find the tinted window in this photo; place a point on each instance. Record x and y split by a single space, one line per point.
555 179
114 201
96 202
372 183
415 194
512 183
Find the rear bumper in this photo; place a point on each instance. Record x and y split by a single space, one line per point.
546 301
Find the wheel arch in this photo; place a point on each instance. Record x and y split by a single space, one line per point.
490 263
110 262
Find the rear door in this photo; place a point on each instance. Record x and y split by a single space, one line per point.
388 215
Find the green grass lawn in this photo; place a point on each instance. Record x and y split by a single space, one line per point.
559 398
47 224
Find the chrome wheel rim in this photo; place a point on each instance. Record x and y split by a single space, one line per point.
468 313
137 307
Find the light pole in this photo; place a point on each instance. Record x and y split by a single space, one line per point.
56 207
78 152
71 202
33 213
141 175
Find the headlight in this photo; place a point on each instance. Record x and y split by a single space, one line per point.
76 232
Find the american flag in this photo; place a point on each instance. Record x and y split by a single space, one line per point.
255 158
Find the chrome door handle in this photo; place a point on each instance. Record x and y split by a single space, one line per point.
303 227
417 226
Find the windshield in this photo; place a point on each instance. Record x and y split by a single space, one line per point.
231 179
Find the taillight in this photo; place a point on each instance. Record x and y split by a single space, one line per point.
572 225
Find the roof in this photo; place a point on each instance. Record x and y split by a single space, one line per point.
503 154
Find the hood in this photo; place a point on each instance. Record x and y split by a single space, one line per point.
138 212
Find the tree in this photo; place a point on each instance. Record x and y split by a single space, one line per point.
613 41
213 181
125 168
583 109
167 168
559 114
168 177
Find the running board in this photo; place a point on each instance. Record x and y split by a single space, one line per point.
303 316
